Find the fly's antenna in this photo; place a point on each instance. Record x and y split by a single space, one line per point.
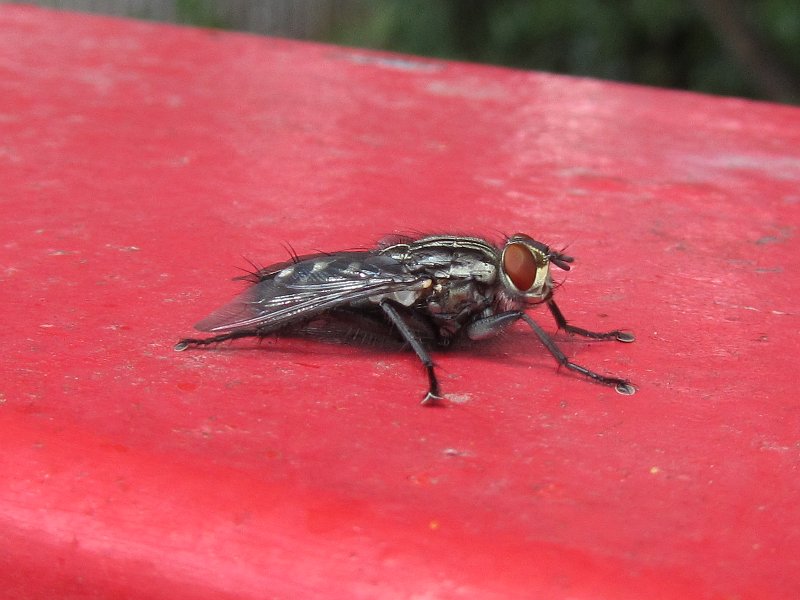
560 257
560 260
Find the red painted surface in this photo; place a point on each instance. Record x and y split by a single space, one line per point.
139 163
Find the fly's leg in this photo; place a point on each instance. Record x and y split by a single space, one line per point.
621 385
561 321
408 335
491 325
223 337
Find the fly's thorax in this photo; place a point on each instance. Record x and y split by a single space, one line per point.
448 257
525 269
406 297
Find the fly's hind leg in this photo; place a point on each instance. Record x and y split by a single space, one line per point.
561 321
223 337
433 395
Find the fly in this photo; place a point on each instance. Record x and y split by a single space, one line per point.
424 292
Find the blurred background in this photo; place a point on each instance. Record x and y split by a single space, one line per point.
729 47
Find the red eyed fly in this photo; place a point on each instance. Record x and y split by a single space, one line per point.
425 292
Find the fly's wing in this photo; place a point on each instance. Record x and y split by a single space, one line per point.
309 287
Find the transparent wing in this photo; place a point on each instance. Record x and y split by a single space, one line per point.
309 287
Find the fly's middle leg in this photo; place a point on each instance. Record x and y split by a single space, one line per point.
408 335
561 321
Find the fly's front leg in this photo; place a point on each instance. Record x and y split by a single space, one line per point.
433 394
621 385
223 337
561 321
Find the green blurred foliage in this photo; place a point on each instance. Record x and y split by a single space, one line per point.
199 13
667 43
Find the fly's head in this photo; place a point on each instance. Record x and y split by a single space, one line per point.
525 268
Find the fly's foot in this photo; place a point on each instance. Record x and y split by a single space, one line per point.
432 399
194 343
622 386
434 396
183 345
624 336
626 388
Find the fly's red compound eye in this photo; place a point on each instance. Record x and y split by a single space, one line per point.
520 266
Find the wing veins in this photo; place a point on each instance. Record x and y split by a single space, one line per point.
280 309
